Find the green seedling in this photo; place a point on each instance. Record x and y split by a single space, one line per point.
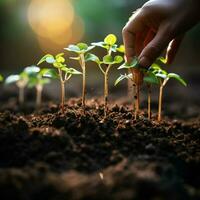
107 62
21 80
156 75
60 71
81 49
36 79
130 66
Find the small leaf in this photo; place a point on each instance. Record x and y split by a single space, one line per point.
92 57
32 70
44 81
12 79
73 48
108 59
74 58
47 58
73 71
58 65
133 64
82 46
121 49
51 73
100 44
161 75
110 39
151 78
118 59
178 78
122 77
162 60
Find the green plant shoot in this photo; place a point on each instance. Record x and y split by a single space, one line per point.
133 65
109 44
21 80
36 79
59 71
1 78
156 75
81 49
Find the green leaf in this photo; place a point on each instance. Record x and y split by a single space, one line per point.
162 60
74 58
161 75
178 78
58 65
1 78
100 44
73 71
108 59
133 64
121 49
60 58
47 58
32 70
73 48
118 59
51 73
122 77
92 57
12 79
82 46
151 78
110 39
44 81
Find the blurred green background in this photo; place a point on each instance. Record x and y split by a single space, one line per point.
31 28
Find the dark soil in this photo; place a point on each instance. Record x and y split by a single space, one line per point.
54 156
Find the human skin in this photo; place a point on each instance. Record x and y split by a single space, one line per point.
159 25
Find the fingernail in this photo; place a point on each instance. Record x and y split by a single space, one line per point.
145 62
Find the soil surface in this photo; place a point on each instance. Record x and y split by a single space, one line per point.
50 155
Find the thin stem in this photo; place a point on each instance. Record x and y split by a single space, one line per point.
149 101
39 89
137 100
83 80
160 103
21 95
62 84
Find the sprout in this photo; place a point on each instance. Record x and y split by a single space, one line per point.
60 71
81 49
156 75
130 66
107 62
36 79
21 80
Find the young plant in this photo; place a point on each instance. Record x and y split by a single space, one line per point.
130 66
107 62
21 80
81 49
156 75
60 71
36 79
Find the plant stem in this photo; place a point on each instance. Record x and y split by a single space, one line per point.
149 101
137 100
105 94
39 89
62 84
160 103
83 80
21 95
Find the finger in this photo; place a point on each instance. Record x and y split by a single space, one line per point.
139 42
150 35
134 26
155 47
172 49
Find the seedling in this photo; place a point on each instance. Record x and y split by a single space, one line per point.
107 62
21 80
60 71
156 75
81 49
36 79
130 66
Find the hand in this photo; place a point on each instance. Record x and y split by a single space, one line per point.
157 25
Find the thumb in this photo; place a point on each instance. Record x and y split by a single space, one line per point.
155 47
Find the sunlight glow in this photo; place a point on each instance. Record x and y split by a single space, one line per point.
54 23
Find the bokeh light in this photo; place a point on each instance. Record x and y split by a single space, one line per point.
55 23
